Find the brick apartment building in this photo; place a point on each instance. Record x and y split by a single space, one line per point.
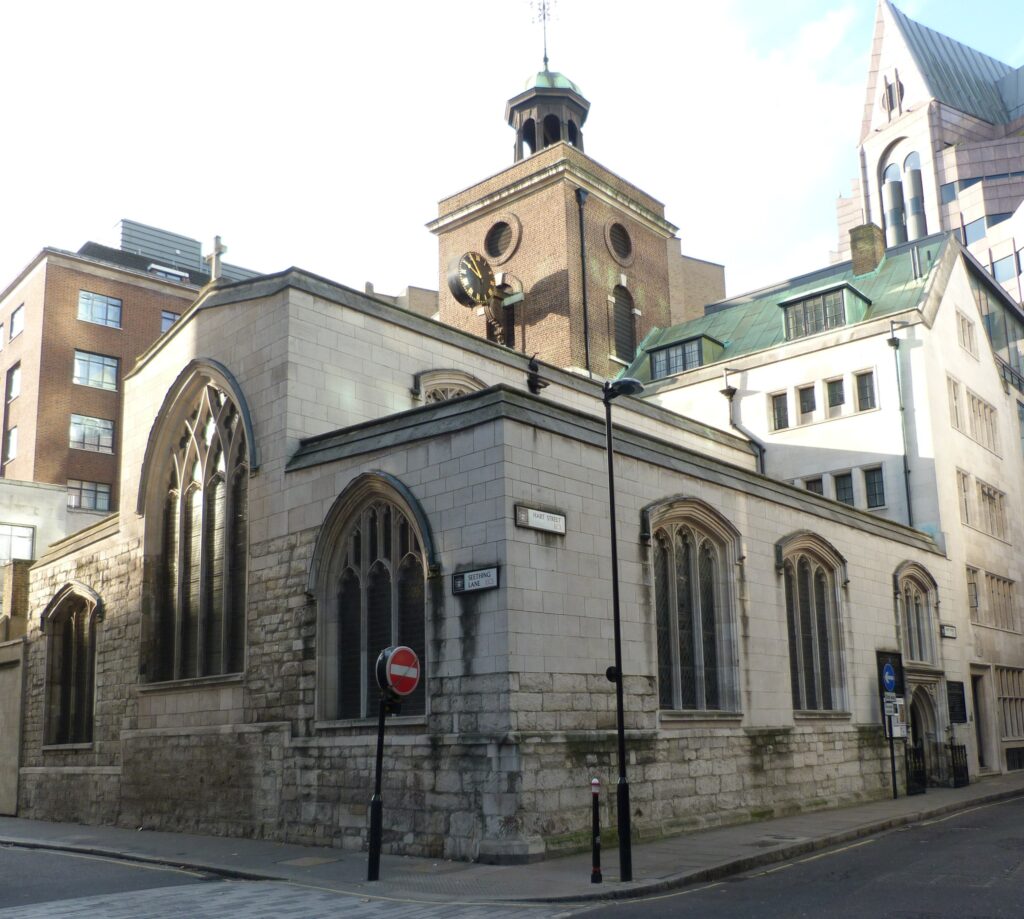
71 325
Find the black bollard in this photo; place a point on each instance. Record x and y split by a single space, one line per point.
595 789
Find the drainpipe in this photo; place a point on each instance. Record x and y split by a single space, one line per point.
581 199
894 343
729 392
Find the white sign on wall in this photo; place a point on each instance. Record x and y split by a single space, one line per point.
534 519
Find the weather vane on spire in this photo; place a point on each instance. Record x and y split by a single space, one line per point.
542 13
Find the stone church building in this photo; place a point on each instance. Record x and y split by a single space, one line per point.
304 470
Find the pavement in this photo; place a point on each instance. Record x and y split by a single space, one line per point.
661 865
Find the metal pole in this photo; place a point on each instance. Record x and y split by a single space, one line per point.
622 790
376 804
595 830
892 760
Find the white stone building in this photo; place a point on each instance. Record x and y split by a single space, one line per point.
886 384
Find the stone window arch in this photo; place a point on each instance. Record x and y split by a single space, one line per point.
368 575
195 497
70 624
694 553
917 608
813 573
440 385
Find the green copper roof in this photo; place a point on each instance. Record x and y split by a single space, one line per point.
550 79
755 322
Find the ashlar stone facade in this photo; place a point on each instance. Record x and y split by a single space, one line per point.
361 502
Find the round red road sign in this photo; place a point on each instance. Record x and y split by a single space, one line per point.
402 670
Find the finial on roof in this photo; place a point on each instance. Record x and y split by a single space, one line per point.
542 13
213 259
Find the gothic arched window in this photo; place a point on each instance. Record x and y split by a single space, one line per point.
372 595
916 601
70 626
811 578
693 556
200 589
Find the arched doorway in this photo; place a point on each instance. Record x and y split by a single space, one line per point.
923 734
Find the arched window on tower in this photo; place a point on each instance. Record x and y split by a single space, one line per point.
69 623
811 572
529 138
694 611
370 586
552 130
200 603
573 134
623 324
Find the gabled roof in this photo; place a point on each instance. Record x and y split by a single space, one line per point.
754 321
959 76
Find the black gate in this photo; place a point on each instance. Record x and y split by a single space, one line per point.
958 760
917 775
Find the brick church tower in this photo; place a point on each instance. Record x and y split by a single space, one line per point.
579 256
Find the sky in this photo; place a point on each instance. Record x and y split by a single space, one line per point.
323 134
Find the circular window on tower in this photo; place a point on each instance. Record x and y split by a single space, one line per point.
502 238
619 242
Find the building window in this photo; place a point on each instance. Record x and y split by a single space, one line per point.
991 510
1010 690
812 620
956 409
865 390
17 321
624 332
974 231
200 620
816 486
836 396
1020 424
874 487
973 597
442 385
99 309
816 314
375 597
983 422
675 358
16 542
963 490
780 411
916 597
947 193
1000 611
167 319
14 382
844 487
70 670
694 621
1005 269
96 370
94 434
11 444
88 496
807 403
965 334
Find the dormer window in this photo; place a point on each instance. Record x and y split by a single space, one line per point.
685 355
819 311
816 314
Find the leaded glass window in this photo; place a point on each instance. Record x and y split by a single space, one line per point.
70 671
200 628
379 601
813 627
916 601
695 654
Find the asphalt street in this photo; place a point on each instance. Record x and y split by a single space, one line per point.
969 865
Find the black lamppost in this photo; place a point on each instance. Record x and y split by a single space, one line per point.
626 386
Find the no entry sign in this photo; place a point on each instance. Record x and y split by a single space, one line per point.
398 669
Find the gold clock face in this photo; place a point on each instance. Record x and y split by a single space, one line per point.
471 280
